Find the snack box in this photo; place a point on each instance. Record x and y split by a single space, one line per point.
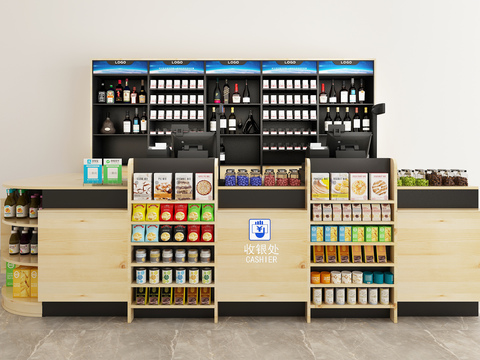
356 254
179 296
162 186
319 254
142 186
337 212
10 267
112 171
92 171
192 296
166 296
316 233
345 233
204 186
371 233
153 296
358 233
141 296
21 282
320 186
184 186
343 254
369 254
366 212
34 282
358 186
331 254
327 212
339 189
205 296
331 233
356 212
376 212
316 212
386 212
378 186
381 254
385 233
346 212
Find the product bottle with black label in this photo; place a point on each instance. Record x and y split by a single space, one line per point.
246 94
142 96
226 92
217 97
328 120
357 122
332 97
25 242
126 92
102 94
127 124
14 243
352 93
338 119
119 92
347 121
366 121
213 121
143 123
323 95
361 93
343 93
232 122
222 152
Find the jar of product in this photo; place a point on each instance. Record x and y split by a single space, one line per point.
155 256
282 177
180 276
357 277
336 277
141 275
154 275
420 178
242 177
384 296
351 296
434 178
317 296
167 255
141 255
180 255
373 296
193 256
461 179
325 277
269 177
362 296
340 296
448 178
193 276
346 277
205 256
399 177
329 296
408 178
167 276
206 276
255 177
315 277
294 178
230 178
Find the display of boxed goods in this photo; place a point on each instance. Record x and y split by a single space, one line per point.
356 254
331 254
356 212
319 254
385 233
376 212
371 233
320 186
316 233
112 171
337 212
183 186
204 186
179 296
92 171
344 254
327 212
346 212
192 296
138 233
386 212
366 212
339 189
378 186
205 296
358 233
358 186
166 296
331 233
345 233
381 254
163 186
21 282
142 186
369 254
316 212
153 296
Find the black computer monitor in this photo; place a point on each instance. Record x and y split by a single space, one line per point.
343 144
191 144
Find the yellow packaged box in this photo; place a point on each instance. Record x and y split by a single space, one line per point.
179 296
192 296
385 233
34 282
320 186
339 186
205 296
331 254
357 254
369 254
21 282
344 254
381 254
319 254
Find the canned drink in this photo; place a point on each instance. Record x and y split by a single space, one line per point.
384 296
206 276
340 296
141 275
317 296
336 277
154 275
193 276
141 255
351 296
180 276
329 296
362 296
346 277
167 276
373 296
357 277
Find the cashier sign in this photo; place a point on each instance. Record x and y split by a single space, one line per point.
260 229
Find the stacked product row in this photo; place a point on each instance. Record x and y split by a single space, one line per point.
169 275
351 277
175 296
176 99
24 242
349 254
289 132
119 94
173 212
289 115
181 256
351 212
177 84
19 204
175 233
351 296
287 84
176 115
270 178
290 99
429 177
351 233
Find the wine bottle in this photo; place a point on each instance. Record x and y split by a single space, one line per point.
136 123
337 120
232 122
22 205
361 93
352 97
134 96
25 242
107 126
34 242
110 95
10 205
119 92
142 96
127 124
217 98
328 120
126 92
14 243
332 97
143 123
250 126
343 93
365 121
346 120
323 95
357 122
213 121
223 122
226 92
246 94
222 152
236 98
102 94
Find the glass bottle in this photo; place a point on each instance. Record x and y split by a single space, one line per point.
9 207
22 205
126 92
25 242
14 243
119 92
102 94
34 242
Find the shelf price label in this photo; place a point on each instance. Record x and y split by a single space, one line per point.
346 67
120 67
233 67
289 67
177 67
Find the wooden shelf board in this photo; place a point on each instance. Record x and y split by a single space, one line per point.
135 285
437 187
352 285
352 201
20 306
353 243
160 265
20 222
182 307
171 243
173 202
261 188
387 264
353 223
26 260
346 306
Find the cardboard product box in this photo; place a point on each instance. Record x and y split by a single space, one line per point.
319 254
316 212
305 84
153 84
337 212
266 84
356 212
153 114
331 233
184 84
162 186
179 296
153 296
112 171
385 233
358 233
34 282
166 296
153 99
358 186
161 84
184 186
320 186
339 188
204 186
331 254
327 212
376 212
142 186
161 99
316 233
141 296
378 186
200 84
343 254
369 254
386 212
381 254
366 212
92 171
10 267
193 84
185 99
200 114
356 254
346 212
345 233
205 296
371 233
192 296
21 282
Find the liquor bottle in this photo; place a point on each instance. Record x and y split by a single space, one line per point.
127 124
102 94
136 123
14 243
226 92
126 92
119 92
337 120
217 97
34 202
361 93
110 95
323 95
365 121
10 205
142 96
246 93
352 93
347 121
134 96
250 126
357 122
107 126
34 242
25 242
236 98
232 122
343 93
213 121
223 122
143 123
40 206
222 152
328 120
22 205
332 97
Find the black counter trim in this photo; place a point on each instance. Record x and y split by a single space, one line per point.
438 199
84 308
85 199
261 308
256 199
438 308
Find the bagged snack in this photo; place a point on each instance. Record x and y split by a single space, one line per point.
207 233
138 212
194 211
166 212
204 186
166 233
163 186
183 186
207 212
142 186
193 233
181 212
358 186
339 186
153 212
138 233
180 233
320 186
152 233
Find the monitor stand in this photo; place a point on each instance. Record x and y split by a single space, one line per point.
350 152
193 153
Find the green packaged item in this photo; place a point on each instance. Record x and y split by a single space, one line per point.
10 268
194 211
112 171
207 212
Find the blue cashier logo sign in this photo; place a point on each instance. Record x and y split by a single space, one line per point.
260 229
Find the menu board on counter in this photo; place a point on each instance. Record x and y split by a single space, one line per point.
289 67
120 67
233 67
176 67
345 67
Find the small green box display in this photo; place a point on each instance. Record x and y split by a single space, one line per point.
10 268
112 171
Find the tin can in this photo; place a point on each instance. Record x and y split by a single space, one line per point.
180 255
346 277
336 277
141 275
362 296
373 296
351 296
167 276
167 255
155 256
180 276
206 276
317 296
329 296
340 296
193 276
154 275
141 255
193 256
357 277
384 296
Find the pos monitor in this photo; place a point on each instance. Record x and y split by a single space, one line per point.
343 144
188 144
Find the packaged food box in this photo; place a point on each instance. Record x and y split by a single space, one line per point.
208 212
180 233
153 295
320 186
10 267
385 233
331 254
138 212
152 233
166 296
316 212
21 282
193 233
327 212
163 186
34 282
205 296
92 171
331 233
346 212
153 212
371 233
141 295
207 233
192 296
357 212
339 189
337 212
356 254
345 233
381 254
386 212
319 254
179 296
358 186
358 233
376 212
204 186
138 233
142 186
181 212
378 186
194 211
369 254
112 171
166 212
343 254
316 233
366 212
184 186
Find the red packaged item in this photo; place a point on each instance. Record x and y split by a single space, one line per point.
193 233
181 212
166 212
207 233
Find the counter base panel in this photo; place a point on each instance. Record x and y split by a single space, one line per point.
79 308
84 199
446 199
438 308
261 198
261 308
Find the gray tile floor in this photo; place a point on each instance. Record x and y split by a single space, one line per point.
237 338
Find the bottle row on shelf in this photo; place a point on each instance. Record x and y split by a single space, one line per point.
270 178
233 125
227 97
173 212
351 233
182 256
346 277
355 125
366 254
19 204
119 94
351 212
432 177
176 84
175 296
171 99
175 233
136 126
168 276
289 132
285 146
351 296
24 242
352 95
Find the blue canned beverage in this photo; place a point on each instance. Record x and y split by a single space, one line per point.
141 275
180 276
